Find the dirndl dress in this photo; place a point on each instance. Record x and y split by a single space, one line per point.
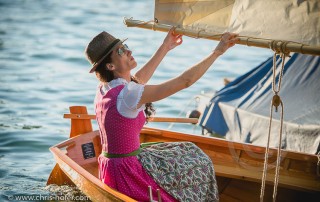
181 170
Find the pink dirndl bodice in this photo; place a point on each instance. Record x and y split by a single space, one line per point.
120 135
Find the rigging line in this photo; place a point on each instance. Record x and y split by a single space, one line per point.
318 164
247 39
282 47
266 156
199 33
276 101
182 111
282 56
276 177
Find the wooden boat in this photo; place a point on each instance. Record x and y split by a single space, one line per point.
238 166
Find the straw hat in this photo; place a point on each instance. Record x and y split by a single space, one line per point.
99 47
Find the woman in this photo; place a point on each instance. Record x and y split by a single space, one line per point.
123 102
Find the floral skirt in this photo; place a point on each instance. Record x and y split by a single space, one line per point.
182 169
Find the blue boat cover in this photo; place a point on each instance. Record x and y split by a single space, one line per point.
241 110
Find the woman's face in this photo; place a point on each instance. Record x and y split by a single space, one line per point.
122 60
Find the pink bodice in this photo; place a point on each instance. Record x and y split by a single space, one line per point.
119 134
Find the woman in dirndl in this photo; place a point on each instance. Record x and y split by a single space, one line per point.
180 170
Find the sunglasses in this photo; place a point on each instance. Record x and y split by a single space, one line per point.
121 51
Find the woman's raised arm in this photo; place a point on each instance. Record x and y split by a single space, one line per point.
171 41
153 93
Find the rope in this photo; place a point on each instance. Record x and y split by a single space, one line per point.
183 110
199 33
264 173
276 102
276 177
247 39
276 91
318 164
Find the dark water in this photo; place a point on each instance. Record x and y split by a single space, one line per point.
44 71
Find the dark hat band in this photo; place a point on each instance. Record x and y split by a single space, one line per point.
107 51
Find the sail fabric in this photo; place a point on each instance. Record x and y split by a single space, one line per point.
241 110
287 20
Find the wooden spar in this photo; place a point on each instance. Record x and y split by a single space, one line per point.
278 45
175 120
154 119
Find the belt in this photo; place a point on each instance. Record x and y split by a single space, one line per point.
134 153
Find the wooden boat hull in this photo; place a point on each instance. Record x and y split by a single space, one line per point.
238 171
238 166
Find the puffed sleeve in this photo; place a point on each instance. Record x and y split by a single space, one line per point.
128 99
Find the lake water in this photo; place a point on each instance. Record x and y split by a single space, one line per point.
44 71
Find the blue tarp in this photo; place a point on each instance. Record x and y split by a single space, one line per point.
241 110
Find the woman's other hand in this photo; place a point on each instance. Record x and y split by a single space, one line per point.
172 39
227 40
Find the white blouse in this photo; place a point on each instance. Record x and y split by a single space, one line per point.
128 97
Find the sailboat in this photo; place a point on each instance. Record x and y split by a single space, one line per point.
245 172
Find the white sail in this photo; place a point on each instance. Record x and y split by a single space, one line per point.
288 20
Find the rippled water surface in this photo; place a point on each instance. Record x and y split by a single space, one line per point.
44 71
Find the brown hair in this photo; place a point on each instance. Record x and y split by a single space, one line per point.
105 75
